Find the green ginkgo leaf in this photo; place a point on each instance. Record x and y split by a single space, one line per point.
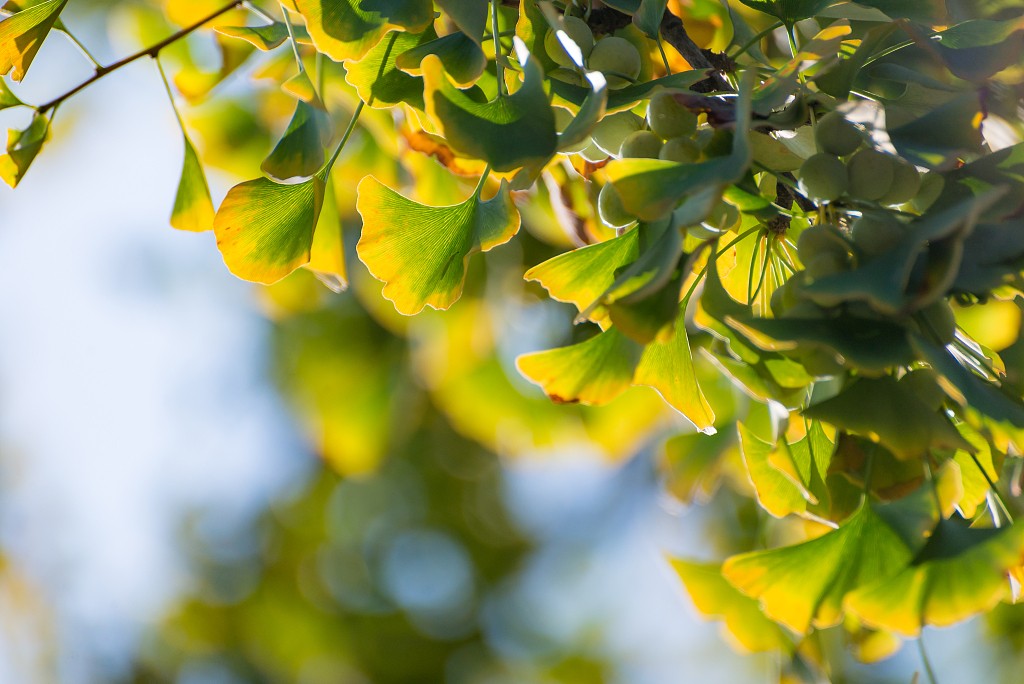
265 229
592 372
22 33
960 118
266 37
7 98
960 572
22 148
300 151
581 276
805 584
976 50
667 367
469 15
462 58
744 623
789 11
193 208
377 77
508 132
420 252
777 493
347 29
327 253
624 98
885 411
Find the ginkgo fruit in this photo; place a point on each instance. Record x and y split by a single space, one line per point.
870 174
668 118
823 177
930 189
683 150
617 59
562 119
906 181
610 209
835 135
640 144
877 233
611 131
579 31
821 239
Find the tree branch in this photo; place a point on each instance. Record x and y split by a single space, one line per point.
151 51
674 33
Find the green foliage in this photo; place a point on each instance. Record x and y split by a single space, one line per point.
788 252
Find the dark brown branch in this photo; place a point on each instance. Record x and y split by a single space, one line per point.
151 51
674 33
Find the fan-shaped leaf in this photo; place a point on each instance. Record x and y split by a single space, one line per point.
300 151
22 33
377 78
347 29
420 252
804 585
469 15
265 229
777 493
22 148
7 98
266 37
193 209
462 58
789 11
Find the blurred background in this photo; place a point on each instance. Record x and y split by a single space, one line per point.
205 481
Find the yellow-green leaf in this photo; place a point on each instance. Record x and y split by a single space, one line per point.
777 493
22 148
266 37
22 33
265 229
7 98
377 78
958 573
300 151
420 252
591 372
193 208
804 585
745 624
347 29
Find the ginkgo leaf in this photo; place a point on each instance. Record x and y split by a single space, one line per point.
777 493
377 78
22 148
420 252
885 411
591 372
805 584
959 572
667 366
347 29
193 208
508 132
327 253
624 98
7 98
789 11
300 151
265 229
469 15
462 58
22 33
745 624
266 37
581 276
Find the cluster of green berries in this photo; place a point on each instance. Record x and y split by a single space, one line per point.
615 57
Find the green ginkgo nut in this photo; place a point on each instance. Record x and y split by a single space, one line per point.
724 217
610 209
668 118
683 150
876 234
640 144
580 33
931 188
823 177
870 174
617 59
821 239
835 135
611 131
906 181
923 383
826 264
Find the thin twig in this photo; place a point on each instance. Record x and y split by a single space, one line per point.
151 51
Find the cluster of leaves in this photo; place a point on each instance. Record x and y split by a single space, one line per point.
827 215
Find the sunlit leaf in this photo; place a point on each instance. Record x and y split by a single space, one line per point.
377 78
462 58
420 252
22 33
959 572
327 253
507 133
745 624
193 208
648 16
960 118
266 37
265 229
789 11
777 493
469 15
977 49
804 585
7 98
22 148
300 151
592 372
625 98
347 29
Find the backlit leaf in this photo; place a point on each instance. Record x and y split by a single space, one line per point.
592 372
265 229
462 58
789 11
420 252
193 209
377 78
7 98
22 33
347 29
777 493
469 15
266 37
22 148
300 151
805 584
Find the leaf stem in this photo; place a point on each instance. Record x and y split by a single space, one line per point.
995 491
170 94
483 179
291 38
499 68
151 51
664 57
756 39
925 661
